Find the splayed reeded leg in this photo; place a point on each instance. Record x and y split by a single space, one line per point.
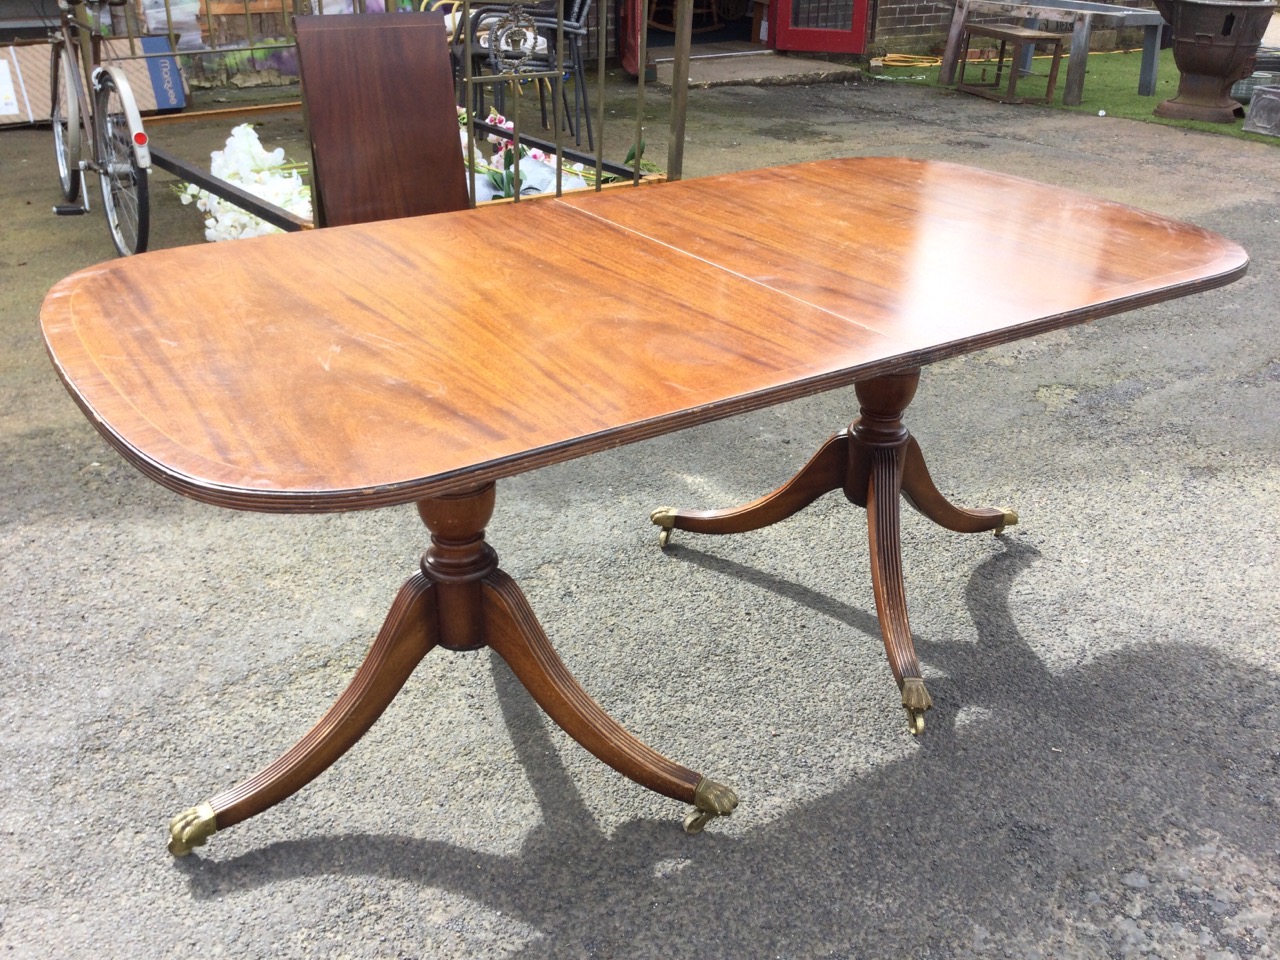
460 601
403 641
514 632
919 491
823 473
875 461
877 452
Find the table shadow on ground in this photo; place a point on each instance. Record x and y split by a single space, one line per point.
1011 820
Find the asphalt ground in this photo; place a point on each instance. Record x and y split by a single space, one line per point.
1100 776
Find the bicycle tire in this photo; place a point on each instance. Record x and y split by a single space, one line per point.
68 126
124 183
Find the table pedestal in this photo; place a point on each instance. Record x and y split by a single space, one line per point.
460 601
873 461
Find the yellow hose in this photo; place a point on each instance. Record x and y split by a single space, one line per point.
909 60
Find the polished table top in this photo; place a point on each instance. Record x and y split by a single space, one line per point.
369 365
422 359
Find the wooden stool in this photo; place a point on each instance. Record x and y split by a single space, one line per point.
1019 38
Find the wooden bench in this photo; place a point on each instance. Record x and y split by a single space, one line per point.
1021 38
1080 14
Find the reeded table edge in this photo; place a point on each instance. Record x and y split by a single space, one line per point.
410 491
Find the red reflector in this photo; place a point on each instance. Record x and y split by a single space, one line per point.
140 138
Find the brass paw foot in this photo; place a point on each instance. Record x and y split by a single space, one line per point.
711 800
1009 519
191 828
665 517
915 700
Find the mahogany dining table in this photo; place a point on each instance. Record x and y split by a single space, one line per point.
364 366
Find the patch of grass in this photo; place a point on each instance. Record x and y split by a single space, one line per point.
1110 84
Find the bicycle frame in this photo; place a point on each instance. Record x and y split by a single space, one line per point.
81 45
83 134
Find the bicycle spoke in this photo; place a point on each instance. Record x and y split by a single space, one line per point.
124 183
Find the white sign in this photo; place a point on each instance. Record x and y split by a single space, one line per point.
8 95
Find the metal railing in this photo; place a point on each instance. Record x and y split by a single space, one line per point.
495 67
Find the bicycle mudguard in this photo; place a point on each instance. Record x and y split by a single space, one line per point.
137 136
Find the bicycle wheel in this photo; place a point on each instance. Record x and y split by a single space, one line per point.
68 127
124 183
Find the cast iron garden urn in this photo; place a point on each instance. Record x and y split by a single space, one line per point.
1215 43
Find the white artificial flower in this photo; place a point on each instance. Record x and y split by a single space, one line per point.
247 164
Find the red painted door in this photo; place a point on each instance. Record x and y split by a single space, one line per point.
629 14
826 26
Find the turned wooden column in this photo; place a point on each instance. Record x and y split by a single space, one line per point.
457 562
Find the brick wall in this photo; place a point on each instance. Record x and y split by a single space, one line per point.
910 26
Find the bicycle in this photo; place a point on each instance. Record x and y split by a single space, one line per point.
103 135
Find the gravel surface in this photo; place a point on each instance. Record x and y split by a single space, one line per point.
1101 769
